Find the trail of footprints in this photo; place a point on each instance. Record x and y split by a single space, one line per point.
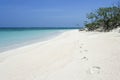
93 69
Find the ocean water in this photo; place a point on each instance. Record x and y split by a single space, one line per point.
12 38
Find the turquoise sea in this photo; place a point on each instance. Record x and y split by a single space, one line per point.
12 38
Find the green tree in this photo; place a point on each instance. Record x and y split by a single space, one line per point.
108 18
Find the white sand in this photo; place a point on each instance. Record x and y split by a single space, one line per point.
71 56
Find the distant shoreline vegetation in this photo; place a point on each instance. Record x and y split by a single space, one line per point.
104 19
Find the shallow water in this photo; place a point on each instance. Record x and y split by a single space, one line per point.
12 38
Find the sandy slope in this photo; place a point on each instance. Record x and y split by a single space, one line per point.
71 56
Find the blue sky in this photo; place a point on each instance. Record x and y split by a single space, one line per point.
47 13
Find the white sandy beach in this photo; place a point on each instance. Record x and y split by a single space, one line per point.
72 55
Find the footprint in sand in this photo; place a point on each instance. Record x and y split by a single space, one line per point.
80 51
80 46
86 50
94 70
84 58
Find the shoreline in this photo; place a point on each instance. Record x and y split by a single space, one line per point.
71 55
8 48
42 42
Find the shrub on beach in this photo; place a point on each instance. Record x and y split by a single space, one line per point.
106 18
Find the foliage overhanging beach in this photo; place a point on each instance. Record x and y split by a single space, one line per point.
104 19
